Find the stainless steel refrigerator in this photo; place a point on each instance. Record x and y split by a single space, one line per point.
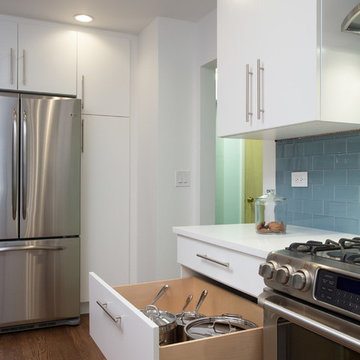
40 145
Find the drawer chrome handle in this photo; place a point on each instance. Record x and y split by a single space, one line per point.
205 257
114 318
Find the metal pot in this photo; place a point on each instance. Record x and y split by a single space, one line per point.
216 325
165 320
185 317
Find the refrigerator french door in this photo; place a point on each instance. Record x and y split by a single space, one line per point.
40 142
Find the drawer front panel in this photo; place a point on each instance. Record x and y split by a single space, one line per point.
132 337
224 265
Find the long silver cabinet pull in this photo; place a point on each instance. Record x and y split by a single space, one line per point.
24 67
313 325
24 166
14 165
260 89
205 257
114 318
11 66
30 248
82 135
249 75
82 92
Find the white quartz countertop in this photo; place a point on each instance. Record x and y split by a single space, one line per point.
243 237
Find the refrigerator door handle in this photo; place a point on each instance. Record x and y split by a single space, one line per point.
24 167
14 165
31 247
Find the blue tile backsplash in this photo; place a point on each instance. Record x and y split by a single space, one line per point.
332 199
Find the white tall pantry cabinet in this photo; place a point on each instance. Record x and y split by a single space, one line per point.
104 86
285 69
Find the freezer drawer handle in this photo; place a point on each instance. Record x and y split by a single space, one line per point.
114 318
205 257
30 247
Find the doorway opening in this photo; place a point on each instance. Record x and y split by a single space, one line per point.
231 170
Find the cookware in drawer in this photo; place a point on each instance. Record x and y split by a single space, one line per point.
227 266
134 337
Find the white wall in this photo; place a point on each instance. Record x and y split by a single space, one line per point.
146 138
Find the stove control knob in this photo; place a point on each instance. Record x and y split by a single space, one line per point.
300 280
266 270
283 274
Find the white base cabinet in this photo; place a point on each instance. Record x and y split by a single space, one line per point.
105 200
134 337
122 331
303 73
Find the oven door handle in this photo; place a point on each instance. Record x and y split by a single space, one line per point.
313 325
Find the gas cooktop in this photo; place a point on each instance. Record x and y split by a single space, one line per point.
326 274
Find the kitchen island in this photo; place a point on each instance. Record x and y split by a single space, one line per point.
231 254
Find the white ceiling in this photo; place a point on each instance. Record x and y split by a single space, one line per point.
120 15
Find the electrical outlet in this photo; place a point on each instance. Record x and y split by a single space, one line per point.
299 179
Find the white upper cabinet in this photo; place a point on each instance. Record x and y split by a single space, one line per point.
285 69
47 58
8 55
104 73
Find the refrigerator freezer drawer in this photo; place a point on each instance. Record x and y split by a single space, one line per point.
39 281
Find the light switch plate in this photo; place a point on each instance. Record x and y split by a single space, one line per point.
182 178
299 179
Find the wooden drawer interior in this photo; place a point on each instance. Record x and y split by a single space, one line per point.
244 345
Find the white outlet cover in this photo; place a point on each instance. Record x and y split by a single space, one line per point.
299 179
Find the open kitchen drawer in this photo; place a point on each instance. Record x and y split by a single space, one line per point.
135 337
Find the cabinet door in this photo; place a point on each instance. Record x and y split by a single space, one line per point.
105 200
8 55
236 50
104 73
289 84
47 59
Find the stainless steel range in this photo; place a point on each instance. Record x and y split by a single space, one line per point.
312 303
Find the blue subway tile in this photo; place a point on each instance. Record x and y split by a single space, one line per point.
302 219
287 178
279 150
347 161
323 162
283 164
335 177
313 206
353 144
315 177
279 177
323 192
284 191
300 164
314 148
347 225
324 222
353 210
304 193
298 149
346 193
334 208
288 150
294 205
335 146
353 177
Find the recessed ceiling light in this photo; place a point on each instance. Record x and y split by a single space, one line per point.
83 18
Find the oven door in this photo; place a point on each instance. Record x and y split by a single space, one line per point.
294 330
